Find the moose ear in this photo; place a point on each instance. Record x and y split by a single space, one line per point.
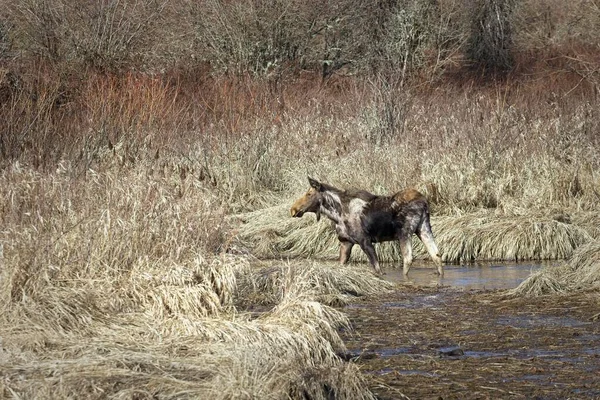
315 184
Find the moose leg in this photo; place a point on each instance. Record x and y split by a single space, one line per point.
345 251
369 250
406 250
424 233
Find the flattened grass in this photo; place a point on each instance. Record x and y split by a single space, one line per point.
488 236
329 283
580 272
163 347
482 235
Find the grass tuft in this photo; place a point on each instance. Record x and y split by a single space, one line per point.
580 272
328 283
540 283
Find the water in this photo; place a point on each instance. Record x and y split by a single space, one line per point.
405 372
532 321
418 301
392 352
476 276
542 345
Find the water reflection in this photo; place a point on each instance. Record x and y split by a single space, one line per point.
475 276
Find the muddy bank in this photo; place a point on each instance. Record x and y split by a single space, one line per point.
448 343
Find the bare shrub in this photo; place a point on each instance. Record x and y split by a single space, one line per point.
554 25
491 40
40 27
6 41
110 35
408 32
31 123
353 35
103 35
252 35
388 112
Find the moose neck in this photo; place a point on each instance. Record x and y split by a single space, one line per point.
331 206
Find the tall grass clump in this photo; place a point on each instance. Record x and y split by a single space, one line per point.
508 237
327 283
581 271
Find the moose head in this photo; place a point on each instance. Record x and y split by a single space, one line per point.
310 202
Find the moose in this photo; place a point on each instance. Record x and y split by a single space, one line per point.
363 218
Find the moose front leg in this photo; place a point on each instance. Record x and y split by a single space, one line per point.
345 251
369 250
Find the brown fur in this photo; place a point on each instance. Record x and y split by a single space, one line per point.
408 195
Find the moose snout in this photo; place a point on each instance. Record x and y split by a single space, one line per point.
296 212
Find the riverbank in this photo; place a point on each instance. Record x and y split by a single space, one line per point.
446 343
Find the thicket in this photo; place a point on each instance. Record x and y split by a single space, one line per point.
479 104
59 59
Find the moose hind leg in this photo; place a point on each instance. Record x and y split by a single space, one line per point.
406 250
426 236
369 250
345 251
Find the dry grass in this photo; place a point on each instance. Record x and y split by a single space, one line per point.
492 236
64 344
111 286
326 282
585 265
580 272
134 205
262 359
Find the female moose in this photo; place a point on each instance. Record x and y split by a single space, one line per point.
363 218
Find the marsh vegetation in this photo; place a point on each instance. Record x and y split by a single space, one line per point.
150 151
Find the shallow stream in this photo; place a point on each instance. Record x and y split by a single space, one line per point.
457 336
473 276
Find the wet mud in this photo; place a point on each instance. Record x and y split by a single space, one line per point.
440 342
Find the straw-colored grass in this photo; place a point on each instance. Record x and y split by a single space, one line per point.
546 281
580 271
488 236
289 351
585 265
110 287
122 366
327 282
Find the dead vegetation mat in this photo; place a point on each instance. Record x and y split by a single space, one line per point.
441 343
